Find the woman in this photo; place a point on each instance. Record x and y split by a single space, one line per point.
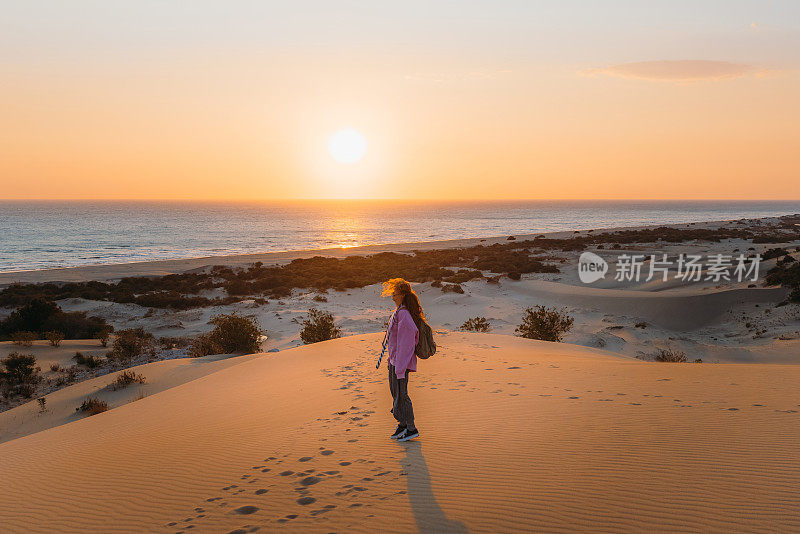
402 335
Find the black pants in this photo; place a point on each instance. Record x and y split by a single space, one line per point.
401 405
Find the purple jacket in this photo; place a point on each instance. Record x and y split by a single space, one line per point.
403 337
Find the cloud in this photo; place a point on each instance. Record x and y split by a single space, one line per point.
686 70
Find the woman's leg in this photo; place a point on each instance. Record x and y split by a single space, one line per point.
393 390
403 409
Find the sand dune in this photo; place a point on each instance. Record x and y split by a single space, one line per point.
516 435
162 375
684 310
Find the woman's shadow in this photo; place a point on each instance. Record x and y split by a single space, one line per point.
427 513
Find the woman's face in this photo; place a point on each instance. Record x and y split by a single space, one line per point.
397 298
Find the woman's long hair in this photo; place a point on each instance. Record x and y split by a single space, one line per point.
410 299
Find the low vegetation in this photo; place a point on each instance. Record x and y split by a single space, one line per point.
476 324
125 379
319 326
129 344
91 361
40 316
232 333
92 406
54 337
546 324
670 355
19 375
23 338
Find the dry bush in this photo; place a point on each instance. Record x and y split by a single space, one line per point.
19 375
204 345
103 335
476 324
319 326
54 337
546 324
128 344
514 275
92 406
168 343
55 367
452 288
91 361
24 338
670 355
125 379
320 298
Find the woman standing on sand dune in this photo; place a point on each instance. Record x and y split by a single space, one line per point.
402 337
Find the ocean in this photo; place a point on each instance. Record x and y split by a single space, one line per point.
47 234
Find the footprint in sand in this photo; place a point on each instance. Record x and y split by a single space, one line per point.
305 458
246 510
574 397
261 491
304 501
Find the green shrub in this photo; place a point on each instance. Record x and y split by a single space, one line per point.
234 333
319 326
19 375
546 324
129 344
204 345
54 337
476 324
40 316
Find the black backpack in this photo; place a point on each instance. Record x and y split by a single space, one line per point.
426 347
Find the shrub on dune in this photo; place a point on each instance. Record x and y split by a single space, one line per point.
125 379
476 324
670 355
546 324
19 375
92 406
129 344
234 333
91 361
24 338
452 288
54 337
204 345
319 326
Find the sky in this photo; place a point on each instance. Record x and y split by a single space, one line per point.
455 100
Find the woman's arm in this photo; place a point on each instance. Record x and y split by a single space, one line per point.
406 342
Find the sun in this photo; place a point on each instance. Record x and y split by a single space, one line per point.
347 145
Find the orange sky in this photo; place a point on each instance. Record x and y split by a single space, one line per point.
649 108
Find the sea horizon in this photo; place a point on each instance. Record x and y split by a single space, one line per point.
46 234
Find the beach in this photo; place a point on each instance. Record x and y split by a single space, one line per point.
590 434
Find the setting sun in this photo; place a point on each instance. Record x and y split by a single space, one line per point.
347 146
